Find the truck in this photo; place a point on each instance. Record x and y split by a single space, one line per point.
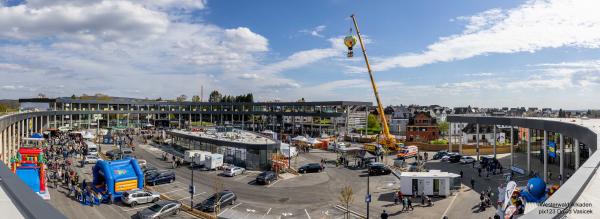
213 161
408 152
188 156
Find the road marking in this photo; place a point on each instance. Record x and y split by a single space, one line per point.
228 209
272 183
266 213
189 197
308 215
176 190
450 205
131 209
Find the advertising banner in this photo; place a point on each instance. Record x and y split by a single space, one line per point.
552 149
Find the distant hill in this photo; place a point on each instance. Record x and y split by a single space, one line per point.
10 103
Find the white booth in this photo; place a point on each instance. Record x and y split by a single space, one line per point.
434 182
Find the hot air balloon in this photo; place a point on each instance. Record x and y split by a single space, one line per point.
350 41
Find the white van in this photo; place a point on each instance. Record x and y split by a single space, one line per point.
92 149
188 156
213 161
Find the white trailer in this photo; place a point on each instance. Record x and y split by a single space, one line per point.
189 155
213 161
434 182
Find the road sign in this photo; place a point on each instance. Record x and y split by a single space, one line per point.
368 198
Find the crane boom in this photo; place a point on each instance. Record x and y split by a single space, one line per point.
388 139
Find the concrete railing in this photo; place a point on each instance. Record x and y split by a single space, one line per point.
559 204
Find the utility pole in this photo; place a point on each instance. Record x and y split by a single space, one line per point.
192 187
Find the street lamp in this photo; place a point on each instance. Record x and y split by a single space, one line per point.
192 188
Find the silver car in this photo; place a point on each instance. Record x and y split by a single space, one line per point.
161 209
91 159
135 197
233 171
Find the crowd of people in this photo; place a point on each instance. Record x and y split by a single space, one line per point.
61 152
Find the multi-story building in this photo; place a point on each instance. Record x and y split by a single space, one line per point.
422 127
311 118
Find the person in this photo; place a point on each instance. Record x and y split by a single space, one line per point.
472 183
422 198
384 215
404 204
410 206
549 175
396 199
461 174
473 164
479 172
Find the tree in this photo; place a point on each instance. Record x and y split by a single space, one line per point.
41 95
181 98
373 123
346 197
73 96
195 98
443 127
159 99
214 96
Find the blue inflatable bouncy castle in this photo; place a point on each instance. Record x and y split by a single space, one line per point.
112 178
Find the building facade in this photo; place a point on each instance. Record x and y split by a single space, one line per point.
297 118
423 128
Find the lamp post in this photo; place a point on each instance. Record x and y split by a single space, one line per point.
192 188
368 196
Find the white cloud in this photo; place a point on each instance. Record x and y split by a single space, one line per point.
533 26
316 31
482 74
106 20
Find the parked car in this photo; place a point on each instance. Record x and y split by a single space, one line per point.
113 153
447 156
378 169
160 209
91 159
439 155
233 171
266 177
125 150
466 160
160 177
455 158
135 197
310 168
222 198
148 169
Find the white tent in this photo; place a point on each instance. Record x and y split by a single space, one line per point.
299 138
88 135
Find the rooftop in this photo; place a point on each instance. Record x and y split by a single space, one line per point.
237 136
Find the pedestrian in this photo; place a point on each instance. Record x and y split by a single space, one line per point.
461 174
422 198
404 204
384 215
473 164
396 199
410 206
549 175
479 171
472 183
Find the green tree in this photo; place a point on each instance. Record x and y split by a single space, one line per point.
181 98
215 96
73 96
443 127
195 98
373 123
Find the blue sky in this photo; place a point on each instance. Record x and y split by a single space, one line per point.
481 53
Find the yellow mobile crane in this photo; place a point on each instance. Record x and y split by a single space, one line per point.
387 140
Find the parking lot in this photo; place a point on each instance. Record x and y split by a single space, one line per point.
303 196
